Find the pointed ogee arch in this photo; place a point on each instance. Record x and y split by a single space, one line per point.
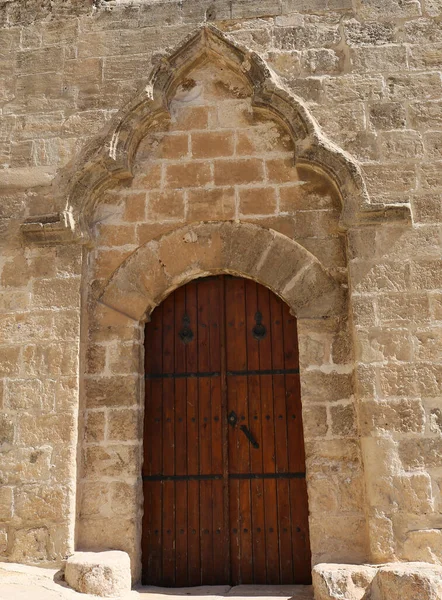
111 160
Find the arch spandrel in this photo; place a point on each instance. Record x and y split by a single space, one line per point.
113 158
270 258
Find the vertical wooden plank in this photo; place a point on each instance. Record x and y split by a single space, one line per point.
257 526
153 456
225 532
205 430
181 527
280 416
193 449
169 442
219 528
269 449
239 454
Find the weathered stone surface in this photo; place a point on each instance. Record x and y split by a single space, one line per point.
104 574
424 545
413 580
335 582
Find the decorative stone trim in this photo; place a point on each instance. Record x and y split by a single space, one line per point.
56 228
160 266
113 158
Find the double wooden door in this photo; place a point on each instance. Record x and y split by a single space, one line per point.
225 498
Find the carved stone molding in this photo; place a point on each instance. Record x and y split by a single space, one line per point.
111 160
56 228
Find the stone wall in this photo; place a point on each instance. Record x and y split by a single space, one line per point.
369 73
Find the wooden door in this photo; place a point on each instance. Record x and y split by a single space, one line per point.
225 499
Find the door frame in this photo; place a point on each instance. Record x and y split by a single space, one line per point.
319 303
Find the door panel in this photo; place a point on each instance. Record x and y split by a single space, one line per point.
224 485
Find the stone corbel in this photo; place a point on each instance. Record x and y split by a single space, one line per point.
55 228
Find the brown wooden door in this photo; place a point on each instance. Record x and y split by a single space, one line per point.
225 499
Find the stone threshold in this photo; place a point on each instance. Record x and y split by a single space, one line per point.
20 582
217 592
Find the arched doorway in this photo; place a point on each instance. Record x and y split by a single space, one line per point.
225 497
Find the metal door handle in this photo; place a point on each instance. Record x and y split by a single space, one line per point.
246 431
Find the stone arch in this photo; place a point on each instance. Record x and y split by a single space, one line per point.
127 299
282 265
108 160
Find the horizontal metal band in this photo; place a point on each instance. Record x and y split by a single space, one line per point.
218 476
180 477
182 375
266 475
265 372
202 374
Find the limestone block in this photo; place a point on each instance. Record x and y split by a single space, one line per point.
95 425
381 538
7 429
375 9
400 308
47 428
385 58
343 419
31 545
417 453
342 538
387 115
404 416
101 573
434 7
426 115
45 503
349 582
413 493
244 9
94 499
25 464
349 88
3 540
368 34
312 35
408 581
396 145
219 203
319 387
124 425
314 420
413 86
325 456
378 345
424 545
112 391
9 361
6 503
323 60
111 461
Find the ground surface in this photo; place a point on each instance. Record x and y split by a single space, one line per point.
18 582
